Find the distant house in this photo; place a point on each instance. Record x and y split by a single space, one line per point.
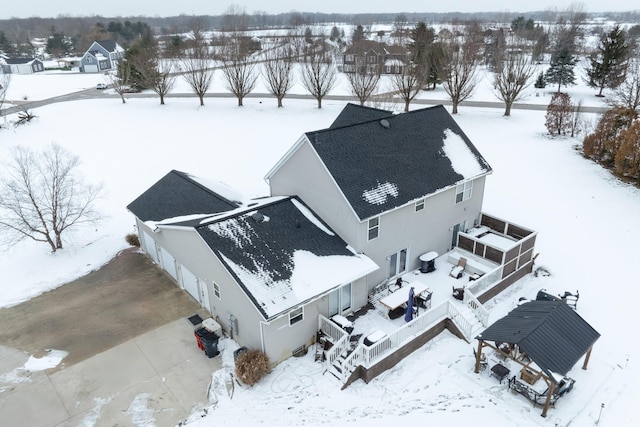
102 55
372 55
351 207
22 66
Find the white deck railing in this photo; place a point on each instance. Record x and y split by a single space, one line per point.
476 307
368 356
339 338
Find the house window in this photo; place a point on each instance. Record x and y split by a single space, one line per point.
463 191
350 58
216 290
374 228
295 316
419 205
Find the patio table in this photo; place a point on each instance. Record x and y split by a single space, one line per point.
401 296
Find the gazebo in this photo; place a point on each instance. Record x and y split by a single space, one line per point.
549 334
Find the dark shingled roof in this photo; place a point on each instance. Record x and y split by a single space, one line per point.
16 61
551 333
176 194
109 45
353 114
402 152
264 246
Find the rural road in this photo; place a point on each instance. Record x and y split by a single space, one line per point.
93 93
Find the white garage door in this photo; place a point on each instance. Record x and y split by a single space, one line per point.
168 262
190 282
90 68
149 246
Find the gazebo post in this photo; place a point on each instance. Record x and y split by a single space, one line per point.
552 386
478 355
586 359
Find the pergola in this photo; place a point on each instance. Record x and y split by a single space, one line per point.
548 333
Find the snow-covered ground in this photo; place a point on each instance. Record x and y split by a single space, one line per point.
586 219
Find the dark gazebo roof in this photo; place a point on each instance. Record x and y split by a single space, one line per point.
551 333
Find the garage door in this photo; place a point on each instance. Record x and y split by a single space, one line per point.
168 262
90 68
190 282
149 246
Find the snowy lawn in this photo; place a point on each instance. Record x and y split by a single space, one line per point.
586 220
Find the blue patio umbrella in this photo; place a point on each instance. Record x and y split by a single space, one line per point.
408 314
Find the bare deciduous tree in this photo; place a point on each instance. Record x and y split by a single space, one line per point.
119 80
363 81
239 74
196 64
459 71
408 83
276 71
558 119
42 196
319 75
628 93
5 81
512 77
157 72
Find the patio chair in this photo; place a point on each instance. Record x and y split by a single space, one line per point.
456 271
458 293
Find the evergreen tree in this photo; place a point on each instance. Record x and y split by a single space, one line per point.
608 64
358 34
561 69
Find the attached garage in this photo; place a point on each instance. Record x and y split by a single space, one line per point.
168 262
149 246
189 282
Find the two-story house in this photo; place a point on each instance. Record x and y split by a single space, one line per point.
102 55
393 186
374 56
351 207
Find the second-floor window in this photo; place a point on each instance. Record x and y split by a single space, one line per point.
296 316
374 228
419 205
463 191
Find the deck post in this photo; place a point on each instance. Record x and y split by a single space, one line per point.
586 359
550 390
478 356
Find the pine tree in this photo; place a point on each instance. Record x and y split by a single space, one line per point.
561 69
608 64
540 83
358 35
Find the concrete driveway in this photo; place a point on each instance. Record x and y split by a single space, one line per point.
132 357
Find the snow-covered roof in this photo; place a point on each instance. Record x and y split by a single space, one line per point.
391 160
282 254
178 195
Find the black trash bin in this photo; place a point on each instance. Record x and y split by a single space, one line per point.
238 352
210 344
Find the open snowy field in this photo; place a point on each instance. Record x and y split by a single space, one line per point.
541 183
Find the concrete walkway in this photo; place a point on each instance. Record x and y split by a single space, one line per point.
158 378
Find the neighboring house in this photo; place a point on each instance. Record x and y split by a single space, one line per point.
102 55
351 208
371 55
394 186
264 268
22 66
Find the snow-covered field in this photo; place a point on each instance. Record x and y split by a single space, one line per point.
586 219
